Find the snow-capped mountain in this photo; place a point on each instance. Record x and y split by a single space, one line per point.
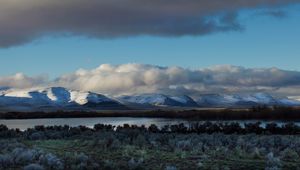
216 100
58 98
53 98
158 100
207 100
295 98
245 100
185 100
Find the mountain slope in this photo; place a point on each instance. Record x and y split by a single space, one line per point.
150 99
58 98
185 100
295 98
158 100
54 98
243 100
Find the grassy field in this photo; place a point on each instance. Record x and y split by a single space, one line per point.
158 158
132 147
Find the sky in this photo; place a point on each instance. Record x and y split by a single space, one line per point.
49 42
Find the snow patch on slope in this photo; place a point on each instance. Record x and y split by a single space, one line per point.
83 98
296 98
58 94
185 100
225 100
17 93
153 99
159 100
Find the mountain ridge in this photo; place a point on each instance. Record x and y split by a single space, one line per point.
54 98
59 98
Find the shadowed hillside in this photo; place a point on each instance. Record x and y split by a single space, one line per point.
255 113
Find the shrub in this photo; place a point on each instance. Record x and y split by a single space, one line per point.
81 161
33 167
200 165
135 164
256 153
98 127
3 128
170 168
184 145
5 161
273 163
37 136
289 154
153 128
78 161
140 140
109 165
51 161
39 127
23 156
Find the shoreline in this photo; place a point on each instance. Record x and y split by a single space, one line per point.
257 113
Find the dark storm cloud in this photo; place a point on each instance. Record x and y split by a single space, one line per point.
22 21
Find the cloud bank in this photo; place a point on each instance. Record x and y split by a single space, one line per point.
26 20
139 78
20 80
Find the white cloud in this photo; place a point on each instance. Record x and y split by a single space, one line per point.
19 80
139 78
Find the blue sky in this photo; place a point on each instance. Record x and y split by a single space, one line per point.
227 46
266 42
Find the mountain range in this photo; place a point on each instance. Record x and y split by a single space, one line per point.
59 98
54 98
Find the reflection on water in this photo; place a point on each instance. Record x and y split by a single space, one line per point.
23 124
89 122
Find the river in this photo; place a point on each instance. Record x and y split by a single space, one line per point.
23 124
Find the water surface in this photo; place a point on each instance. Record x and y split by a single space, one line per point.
23 124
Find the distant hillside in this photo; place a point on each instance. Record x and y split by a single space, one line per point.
59 98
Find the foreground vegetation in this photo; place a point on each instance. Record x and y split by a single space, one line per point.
199 146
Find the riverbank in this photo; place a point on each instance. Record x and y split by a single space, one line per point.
255 113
